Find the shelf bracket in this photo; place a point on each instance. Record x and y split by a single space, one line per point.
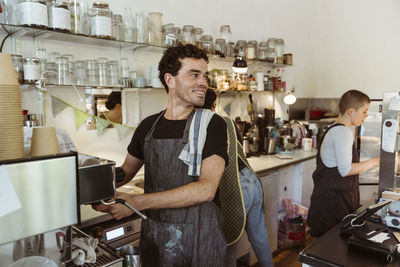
40 36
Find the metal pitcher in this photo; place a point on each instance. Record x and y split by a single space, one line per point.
131 256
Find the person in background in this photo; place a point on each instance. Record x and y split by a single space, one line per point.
113 104
252 195
336 188
184 152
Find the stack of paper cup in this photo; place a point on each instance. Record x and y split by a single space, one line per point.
260 80
44 142
11 119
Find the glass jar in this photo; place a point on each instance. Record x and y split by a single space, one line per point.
76 13
80 72
252 47
243 82
100 17
59 16
155 27
33 13
102 74
271 55
117 27
19 67
279 50
178 35
51 74
198 32
112 68
31 70
92 72
240 45
230 49
222 81
225 33
220 47
207 43
63 74
251 51
188 35
169 34
262 51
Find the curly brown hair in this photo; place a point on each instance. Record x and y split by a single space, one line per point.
170 61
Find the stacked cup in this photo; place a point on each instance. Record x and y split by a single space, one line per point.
11 119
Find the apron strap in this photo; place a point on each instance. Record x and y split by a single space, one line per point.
185 137
150 133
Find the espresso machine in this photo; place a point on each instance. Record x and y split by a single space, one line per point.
44 196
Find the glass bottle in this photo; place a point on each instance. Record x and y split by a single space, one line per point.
225 33
155 21
187 35
198 32
112 68
33 13
100 17
102 74
279 50
75 9
141 29
129 25
169 34
117 27
207 43
59 15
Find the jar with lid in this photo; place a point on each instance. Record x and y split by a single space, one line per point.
225 33
19 67
188 35
230 48
59 15
178 35
271 55
117 27
169 34
31 70
262 51
251 50
279 50
100 17
198 32
220 47
33 13
240 45
207 43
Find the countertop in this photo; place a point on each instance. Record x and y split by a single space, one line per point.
267 163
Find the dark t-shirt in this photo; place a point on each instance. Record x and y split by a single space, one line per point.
216 140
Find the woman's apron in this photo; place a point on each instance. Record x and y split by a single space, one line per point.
176 237
333 196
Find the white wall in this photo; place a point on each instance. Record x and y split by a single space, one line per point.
336 45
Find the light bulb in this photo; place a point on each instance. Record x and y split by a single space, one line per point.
289 99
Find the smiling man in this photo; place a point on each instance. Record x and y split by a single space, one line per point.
184 151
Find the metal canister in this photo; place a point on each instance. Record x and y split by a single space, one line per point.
131 256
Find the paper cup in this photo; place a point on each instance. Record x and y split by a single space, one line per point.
8 76
306 144
44 142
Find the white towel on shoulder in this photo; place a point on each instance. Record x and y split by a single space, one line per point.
192 152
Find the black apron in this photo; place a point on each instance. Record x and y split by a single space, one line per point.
190 236
333 196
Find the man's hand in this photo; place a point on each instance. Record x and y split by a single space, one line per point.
117 211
